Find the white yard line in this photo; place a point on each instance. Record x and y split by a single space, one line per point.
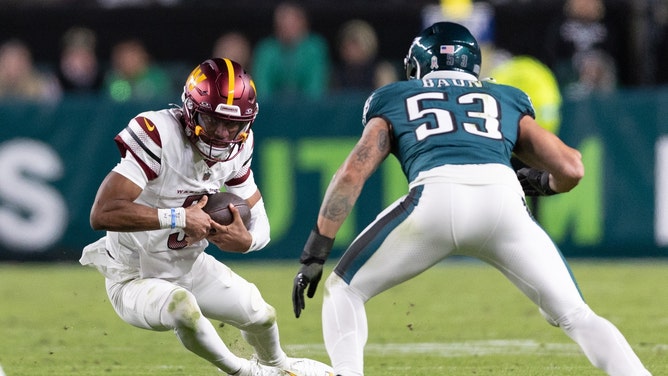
490 347
457 349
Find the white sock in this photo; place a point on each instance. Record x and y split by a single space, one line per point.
602 343
267 345
344 326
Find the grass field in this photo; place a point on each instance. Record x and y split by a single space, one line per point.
460 318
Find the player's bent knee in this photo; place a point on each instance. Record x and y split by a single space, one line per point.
336 286
263 315
261 321
572 317
334 281
183 310
548 318
270 317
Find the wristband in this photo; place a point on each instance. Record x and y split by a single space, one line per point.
317 248
172 218
535 182
179 217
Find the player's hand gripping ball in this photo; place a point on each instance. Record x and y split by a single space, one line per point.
218 209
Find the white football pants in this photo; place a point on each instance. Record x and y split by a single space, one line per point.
210 290
487 222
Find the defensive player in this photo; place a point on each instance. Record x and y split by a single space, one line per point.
453 136
157 275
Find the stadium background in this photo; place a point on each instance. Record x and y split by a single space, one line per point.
52 157
186 31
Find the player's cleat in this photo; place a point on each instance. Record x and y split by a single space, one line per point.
254 368
307 367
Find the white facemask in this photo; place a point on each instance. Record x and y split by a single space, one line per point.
215 152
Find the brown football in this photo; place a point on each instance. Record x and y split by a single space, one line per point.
218 208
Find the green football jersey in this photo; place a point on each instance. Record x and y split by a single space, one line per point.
438 121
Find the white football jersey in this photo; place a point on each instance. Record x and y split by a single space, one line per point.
158 157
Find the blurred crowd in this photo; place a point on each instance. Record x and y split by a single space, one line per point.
582 52
292 61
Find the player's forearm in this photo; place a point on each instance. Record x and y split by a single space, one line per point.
347 184
569 174
125 218
337 205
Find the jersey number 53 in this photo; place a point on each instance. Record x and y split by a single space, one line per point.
445 120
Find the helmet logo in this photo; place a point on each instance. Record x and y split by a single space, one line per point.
195 78
434 62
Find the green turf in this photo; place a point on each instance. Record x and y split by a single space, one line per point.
457 319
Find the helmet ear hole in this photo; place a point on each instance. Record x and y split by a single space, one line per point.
410 67
410 71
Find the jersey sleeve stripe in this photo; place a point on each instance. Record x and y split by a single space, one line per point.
149 160
240 177
140 143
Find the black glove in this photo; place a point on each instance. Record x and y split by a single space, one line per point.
535 182
316 251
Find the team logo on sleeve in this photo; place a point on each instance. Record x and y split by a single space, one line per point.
149 125
145 129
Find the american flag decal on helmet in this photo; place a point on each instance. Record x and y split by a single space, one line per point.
447 49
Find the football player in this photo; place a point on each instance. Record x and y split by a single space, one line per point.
453 136
157 273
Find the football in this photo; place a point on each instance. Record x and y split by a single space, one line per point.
218 210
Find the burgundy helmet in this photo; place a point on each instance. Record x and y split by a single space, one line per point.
219 91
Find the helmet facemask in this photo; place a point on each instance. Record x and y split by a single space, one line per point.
211 144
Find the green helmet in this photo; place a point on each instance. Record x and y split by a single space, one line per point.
443 46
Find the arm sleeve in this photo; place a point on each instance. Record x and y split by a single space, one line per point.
259 227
